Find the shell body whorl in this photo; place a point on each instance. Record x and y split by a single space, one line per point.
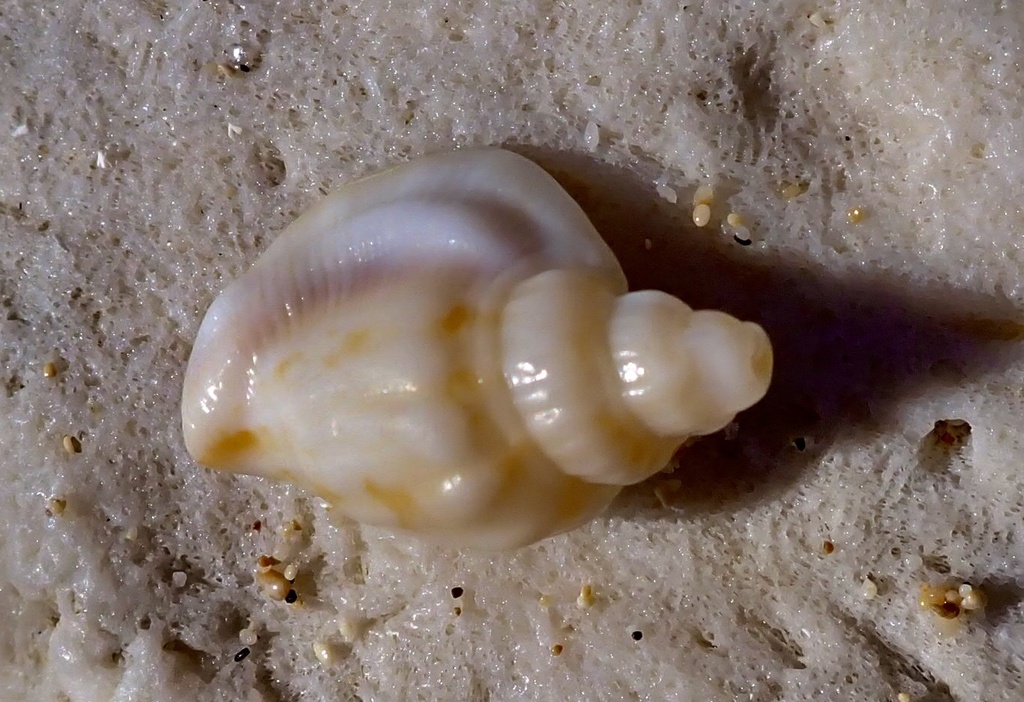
439 348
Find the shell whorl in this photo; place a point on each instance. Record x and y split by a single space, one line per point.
610 386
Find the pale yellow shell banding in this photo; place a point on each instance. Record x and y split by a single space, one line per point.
449 348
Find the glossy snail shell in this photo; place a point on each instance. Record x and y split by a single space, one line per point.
448 348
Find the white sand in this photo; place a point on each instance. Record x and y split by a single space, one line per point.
136 180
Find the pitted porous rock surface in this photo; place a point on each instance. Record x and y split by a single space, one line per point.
150 150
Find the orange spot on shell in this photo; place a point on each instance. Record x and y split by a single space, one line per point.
228 448
285 366
355 342
456 318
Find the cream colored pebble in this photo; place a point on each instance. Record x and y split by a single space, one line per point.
325 652
266 562
274 584
972 602
289 543
701 215
586 597
792 190
971 598
869 589
348 627
591 136
703 195
55 506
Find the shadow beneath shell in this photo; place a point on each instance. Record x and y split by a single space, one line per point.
847 350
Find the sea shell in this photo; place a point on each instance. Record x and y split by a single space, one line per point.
448 348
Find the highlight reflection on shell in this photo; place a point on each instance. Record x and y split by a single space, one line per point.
448 348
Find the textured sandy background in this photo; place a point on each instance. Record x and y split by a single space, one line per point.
136 178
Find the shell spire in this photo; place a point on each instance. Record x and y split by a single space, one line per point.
617 383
